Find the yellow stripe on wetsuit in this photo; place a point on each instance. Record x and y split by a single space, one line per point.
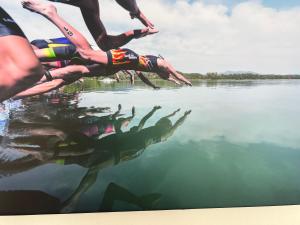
57 45
49 53
59 51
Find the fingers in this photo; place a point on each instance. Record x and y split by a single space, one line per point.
174 81
140 16
182 78
144 32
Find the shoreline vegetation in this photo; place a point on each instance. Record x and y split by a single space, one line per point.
108 82
220 76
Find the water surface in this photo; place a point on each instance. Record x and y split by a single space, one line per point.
119 148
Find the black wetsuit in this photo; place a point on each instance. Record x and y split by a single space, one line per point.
62 48
65 1
8 26
48 43
124 58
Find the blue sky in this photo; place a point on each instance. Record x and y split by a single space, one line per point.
279 4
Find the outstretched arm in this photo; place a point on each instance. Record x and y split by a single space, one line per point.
146 80
117 113
119 123
61 77
180 121
172 114
131 76
40 89
73 72
145 118
135 12
167 71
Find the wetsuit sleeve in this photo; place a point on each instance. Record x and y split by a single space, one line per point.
8 26
59 53
40 43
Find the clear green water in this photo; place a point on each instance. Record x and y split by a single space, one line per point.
239 146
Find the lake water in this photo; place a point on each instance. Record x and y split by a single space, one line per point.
231 144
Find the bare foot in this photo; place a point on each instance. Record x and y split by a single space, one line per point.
39 7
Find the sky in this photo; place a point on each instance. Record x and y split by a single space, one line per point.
202 36
278 4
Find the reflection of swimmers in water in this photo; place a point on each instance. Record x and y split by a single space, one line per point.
60 129
94 126
26 202
115 148
115 192
118 145
108 151
139 138
112 193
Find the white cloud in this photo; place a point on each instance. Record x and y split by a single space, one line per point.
196 37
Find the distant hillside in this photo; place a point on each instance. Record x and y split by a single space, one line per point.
217 76
238 72
239 76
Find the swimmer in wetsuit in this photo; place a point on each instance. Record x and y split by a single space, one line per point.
100 62
62 49
91 15
16 74
59 48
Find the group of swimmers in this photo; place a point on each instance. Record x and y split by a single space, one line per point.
44 65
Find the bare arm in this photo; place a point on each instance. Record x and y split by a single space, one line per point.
71 72
180 121
146 80
40 89
168 72
145 118
131 76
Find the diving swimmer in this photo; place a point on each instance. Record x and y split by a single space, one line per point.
100 62
62 48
